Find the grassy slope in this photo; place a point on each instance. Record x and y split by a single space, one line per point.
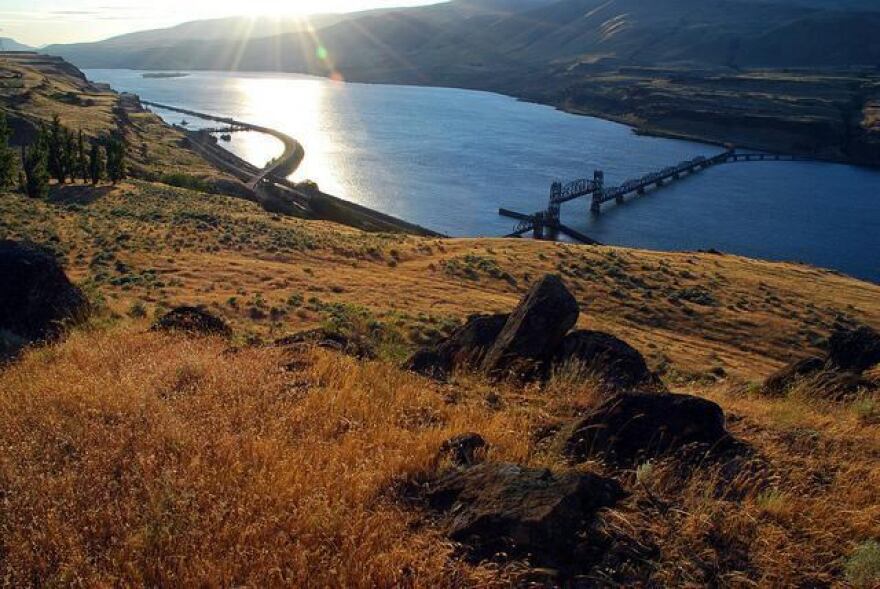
36 88
134 457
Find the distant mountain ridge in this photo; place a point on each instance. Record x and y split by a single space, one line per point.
9 44
463 38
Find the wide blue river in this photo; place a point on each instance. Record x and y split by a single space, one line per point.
448 159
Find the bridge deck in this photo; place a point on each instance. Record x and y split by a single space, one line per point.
562 193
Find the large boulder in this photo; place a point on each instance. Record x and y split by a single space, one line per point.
534 330
856 349
613 361
193 321
631 427
36 297
465 347
778 383
506 508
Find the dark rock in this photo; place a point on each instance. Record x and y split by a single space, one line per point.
620 366
192 320
470 343
506 508
631 427
465 347
534 330
778 383
464 449
330 340
36 297
430 362
856 349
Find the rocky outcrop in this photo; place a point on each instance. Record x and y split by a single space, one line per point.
465 347
499 508
838 375
534 330
36 297
632 427
534 340
614 362
857 349
193 321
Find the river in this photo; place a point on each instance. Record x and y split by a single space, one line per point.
447 159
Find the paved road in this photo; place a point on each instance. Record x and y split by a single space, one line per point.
282 166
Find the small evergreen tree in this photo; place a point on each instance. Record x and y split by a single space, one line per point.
82 159
116 159
69 155
96 163
55 145
7 156
35 161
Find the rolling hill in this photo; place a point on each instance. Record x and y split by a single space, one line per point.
389 45
9 44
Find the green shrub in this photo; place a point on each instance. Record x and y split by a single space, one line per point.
181 180
863 566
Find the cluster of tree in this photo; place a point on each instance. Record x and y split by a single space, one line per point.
60 154
8 165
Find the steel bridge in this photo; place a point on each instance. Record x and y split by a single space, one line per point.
549 219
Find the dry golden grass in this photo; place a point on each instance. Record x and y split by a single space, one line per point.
131 457
139 458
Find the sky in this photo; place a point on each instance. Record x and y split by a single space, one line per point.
43 22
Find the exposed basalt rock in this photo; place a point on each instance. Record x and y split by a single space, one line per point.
429 362
616 363
856 349
632 427
194 321
530 343
36 297
778 383
498 508
465 347
838 376
464 449
534 330
323 338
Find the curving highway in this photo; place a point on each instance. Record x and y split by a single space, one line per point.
282 167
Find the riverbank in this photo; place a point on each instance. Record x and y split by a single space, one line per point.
828 115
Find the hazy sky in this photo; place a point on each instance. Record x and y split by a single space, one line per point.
41 22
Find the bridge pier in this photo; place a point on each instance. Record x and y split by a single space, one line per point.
598 192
